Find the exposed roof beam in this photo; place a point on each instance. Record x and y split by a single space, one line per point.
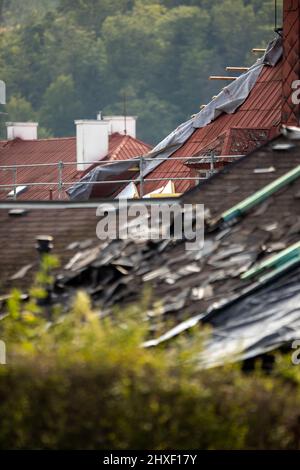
222 77
237 69
258 50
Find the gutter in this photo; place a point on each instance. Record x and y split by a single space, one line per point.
260 196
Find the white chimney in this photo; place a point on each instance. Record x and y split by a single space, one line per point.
91 142
22 130
122 124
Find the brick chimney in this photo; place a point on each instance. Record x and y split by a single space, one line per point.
291 60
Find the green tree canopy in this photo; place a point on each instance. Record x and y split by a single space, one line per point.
70 58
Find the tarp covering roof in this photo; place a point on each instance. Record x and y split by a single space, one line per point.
191 287
52 151
263 321
228 101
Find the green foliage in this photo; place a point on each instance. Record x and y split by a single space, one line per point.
71 58
92 13
18 11
19 108
60 105
83 381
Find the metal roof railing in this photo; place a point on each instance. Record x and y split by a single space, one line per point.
60 184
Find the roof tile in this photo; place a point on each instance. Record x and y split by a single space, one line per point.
262 109
52 151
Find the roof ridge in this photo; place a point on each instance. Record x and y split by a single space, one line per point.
46 139
56 138
140 141
120 146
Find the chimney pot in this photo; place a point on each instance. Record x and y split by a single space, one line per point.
44 243
124 125
22 130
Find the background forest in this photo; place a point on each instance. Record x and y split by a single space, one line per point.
67 59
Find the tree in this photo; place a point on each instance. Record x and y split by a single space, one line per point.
184 31
20 11
72 50
156 117
19 109
134 49
160 51
91 13
60 107
2 2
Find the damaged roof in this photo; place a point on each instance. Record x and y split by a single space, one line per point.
255 121
243 116
244 257
267 104
72 228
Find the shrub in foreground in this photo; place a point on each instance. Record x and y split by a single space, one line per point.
81 382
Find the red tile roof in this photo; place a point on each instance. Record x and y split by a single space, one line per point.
52 151
260 111
125 147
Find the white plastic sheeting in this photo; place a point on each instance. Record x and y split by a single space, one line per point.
130 192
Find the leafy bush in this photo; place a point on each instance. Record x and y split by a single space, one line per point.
81 381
